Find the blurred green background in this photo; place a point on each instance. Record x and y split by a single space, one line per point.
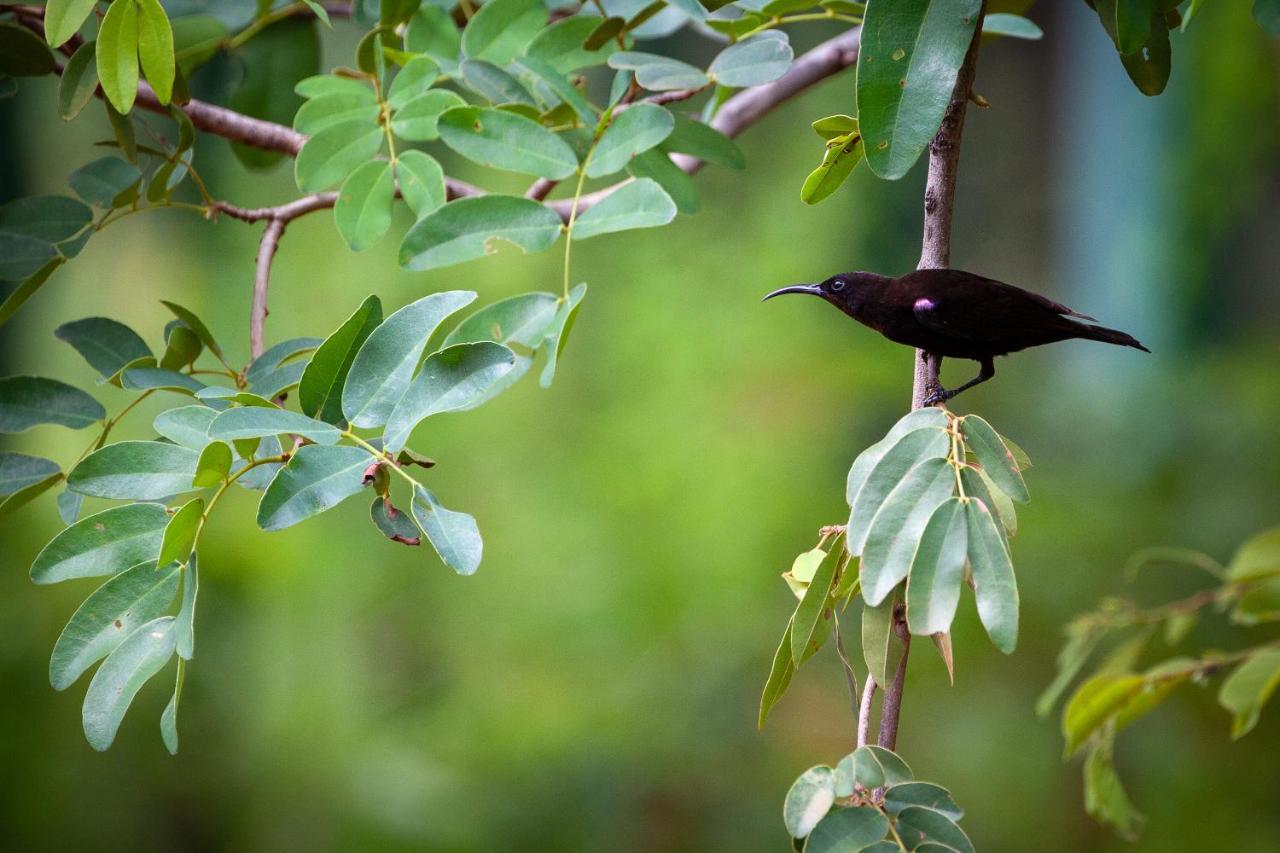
594 686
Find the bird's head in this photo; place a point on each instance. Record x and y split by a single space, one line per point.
847 291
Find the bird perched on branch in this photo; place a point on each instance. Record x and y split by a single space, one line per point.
956 314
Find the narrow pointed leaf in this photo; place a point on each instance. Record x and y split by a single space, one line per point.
257 422
638 128
880 468
504 140
877 634
895 532
558 332
996 459
451 379
63 19
117 55
470 228
993 580
136 470
155 48
184 627
454 535
316 478
27 401
320 390
804 624
779 677
122 674
180 533
937 571
103 544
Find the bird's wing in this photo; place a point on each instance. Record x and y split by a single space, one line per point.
1000 314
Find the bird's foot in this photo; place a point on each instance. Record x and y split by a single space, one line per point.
938 395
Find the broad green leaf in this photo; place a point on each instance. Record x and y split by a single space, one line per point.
419 75
14 297
451 379
180 533
604 33
393 523
1267 15
196 40
831 127
69 504
320 390
898 525
558 333
108 616
937 570
978 485
275 60
844 778
22 53
213 465
186 425
1082 641
804 624
52 218
316 478
1260 604
541 72
1013 26
277 355
757 60
659 73
11 498
805 566
1095 702
921 795
418 120
1258 557
454 535
257 422
996 459
27 401
328 85
844 830
493 84
142 654
103 544
195 324
106 182
704 142
260 476
184 627
135 470
918 826
837 164
638 204
155 48
22 256
363 209
500 29
79 80
1132 25
468 228
421 182
993 581
63 19
562 47
1149 66
879 469
810 798
909 59
432 31
504 140
877 635
117 54
656 165
1247 689
326 111
636 129
874 766
1104 796
523 319
381 370
335 152
182 347
779 677
157 378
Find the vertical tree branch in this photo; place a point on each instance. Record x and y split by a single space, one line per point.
935 252
261 282
864 710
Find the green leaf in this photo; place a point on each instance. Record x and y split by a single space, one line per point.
659 73
320 390
779 677
27 401
1104 795
898 525
419 75
541 72
1258 557
103 544
381 370
363 209
1267 15
758 60
135 470
523 319
1082 641
1132 23
22 256
169 717
558 333
1260 604
180 533
326 111
432 31
335 152
493 84
64 18
257 422
155 48
186 425
504 140
937 570
978 485
451 379
838 161
79 80
808 801
1095 702
655 164
875 766
108 616
182 347
1247 689
275 60
1013 26
804 624
393 523
993 581
918 826
329 85
18 296
638 204
418 120
142 654
157 378
500 29
22 53
196 325
12 499
832 127
908 62
921 795
996 459
847 829
52 218
269 363
184 627
1149 66
561 45
19 471
638 128
213 465
605 32
117 54
196 40
421 182
106 182
468 228
880 468
316 478
704 142
877 634
454 535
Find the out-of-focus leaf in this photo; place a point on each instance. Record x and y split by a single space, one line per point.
184 627
469 228
275 60
135 470
1266 13
810 798
1082 640
320 390
1247 689
142 654
106 182
1149 66
451 379
22 256
103 544
877 634
316 478
995 587
1258 557
779 677
454 535
1104 795
15 495
27 401
79 81
1260 604
22 53
1095 702
1013 26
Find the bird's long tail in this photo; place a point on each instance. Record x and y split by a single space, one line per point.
1111 336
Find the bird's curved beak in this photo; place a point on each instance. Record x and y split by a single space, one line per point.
811 289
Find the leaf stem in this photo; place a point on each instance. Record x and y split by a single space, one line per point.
779 20
573 217
262 23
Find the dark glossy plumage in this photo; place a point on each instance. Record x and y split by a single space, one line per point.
956 314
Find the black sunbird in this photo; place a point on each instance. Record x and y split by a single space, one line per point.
956 314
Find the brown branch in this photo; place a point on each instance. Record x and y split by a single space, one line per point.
891 707
261 282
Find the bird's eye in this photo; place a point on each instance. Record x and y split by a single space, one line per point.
838 284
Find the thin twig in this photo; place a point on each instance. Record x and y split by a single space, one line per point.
261 282
864 710
891 707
